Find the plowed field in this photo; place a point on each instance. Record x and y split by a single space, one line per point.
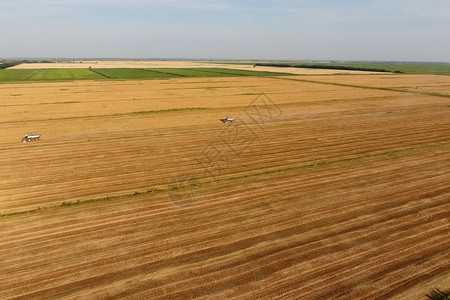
325 187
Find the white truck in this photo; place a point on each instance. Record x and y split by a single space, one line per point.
31 137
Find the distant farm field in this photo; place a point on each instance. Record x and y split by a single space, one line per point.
21 75
324 187
398 67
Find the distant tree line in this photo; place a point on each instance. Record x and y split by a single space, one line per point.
10 64
321 66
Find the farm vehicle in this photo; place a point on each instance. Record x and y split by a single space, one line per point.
30 138
227 120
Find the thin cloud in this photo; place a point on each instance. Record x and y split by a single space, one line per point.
277 29
179 4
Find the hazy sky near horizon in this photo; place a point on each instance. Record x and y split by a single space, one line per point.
389 30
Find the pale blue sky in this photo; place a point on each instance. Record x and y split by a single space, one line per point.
395 30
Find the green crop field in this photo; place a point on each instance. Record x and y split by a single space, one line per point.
400 67
131 74
404 67
46 74
26 75
411 68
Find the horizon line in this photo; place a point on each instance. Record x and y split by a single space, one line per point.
56 59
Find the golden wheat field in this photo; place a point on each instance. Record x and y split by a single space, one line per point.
324 187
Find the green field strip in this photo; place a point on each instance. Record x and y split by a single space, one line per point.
64 74
49 75
189 73
164 72
15 74
222 72
409 68
125 73
424 68
98 72
236 72
217 72
26 75
30 75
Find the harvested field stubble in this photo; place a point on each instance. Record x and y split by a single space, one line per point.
345 195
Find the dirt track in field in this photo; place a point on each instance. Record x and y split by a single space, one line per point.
342 193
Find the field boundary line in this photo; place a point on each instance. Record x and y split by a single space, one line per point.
161 72
99 73
364 87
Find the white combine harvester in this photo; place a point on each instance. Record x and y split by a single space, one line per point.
31 137
227 120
